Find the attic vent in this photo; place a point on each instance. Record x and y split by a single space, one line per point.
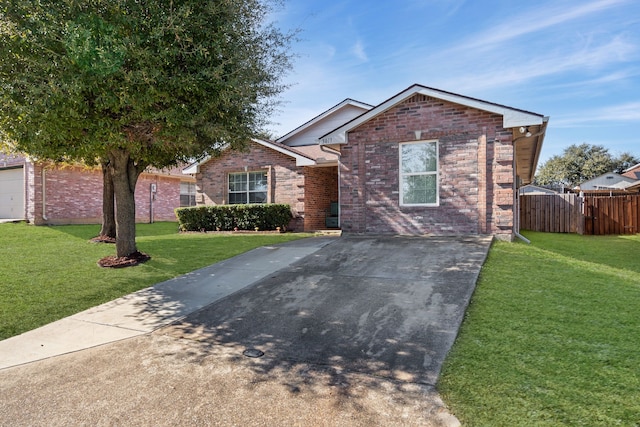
609 177
419 98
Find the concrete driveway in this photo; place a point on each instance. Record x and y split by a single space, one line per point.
353 334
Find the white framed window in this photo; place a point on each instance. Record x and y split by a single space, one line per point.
247 187
187 194
419 173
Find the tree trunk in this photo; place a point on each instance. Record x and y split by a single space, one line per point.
125 175
108 202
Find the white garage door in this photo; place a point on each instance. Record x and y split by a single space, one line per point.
12 193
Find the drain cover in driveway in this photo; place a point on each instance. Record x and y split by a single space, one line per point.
253 352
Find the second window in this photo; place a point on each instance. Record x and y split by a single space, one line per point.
247 187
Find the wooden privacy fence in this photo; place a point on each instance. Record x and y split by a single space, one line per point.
569 213
551 213
612 215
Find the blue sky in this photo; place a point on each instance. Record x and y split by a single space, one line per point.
577 61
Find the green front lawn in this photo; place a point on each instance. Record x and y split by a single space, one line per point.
47 273
552 336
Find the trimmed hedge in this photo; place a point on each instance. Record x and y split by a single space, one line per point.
229 217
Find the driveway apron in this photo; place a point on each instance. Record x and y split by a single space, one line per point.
353 334
386 306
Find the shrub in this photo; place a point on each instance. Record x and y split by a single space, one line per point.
228 217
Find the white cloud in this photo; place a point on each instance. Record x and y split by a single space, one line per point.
621 113
498 71
359 52
534 20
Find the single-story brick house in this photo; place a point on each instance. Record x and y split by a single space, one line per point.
425 161
43 193
295 170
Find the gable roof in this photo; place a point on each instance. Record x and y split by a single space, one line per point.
633 172
302 159
534 189
608 181
528 128
323 116
512 117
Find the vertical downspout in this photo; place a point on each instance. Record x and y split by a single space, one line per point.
151 204
516 214
44 194
516 222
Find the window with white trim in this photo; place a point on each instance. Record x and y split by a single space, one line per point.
247 187
187 194
419 173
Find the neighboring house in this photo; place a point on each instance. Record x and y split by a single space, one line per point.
425 161
609 183
633 172
534 190
43 193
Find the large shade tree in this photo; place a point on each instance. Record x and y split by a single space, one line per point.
133 83
579 163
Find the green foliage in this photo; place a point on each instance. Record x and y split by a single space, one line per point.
579 163
552 347
136 82
50 272
166 81
228 217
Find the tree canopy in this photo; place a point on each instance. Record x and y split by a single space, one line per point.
579 163
134 83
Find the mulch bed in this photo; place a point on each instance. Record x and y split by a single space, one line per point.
125 261
103 239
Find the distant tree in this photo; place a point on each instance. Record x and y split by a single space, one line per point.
624 161
579 163
129 84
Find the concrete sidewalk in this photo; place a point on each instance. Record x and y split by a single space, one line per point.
353 332
154 307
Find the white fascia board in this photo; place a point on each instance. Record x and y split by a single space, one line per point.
195 167
511 117
322 116
300 159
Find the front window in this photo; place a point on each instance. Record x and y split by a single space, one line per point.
187 194
419 173
247 187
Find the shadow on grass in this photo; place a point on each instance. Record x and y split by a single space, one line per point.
611 251
550 347
87 231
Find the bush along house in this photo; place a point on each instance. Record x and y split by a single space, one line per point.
424 161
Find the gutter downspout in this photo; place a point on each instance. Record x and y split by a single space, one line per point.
517 223
337 153
44 194
516 219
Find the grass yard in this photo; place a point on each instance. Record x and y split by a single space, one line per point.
552 336
47 273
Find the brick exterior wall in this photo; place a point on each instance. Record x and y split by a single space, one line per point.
73 195
475 171
321 188
307 190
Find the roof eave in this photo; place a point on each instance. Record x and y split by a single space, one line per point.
511 117
323 115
